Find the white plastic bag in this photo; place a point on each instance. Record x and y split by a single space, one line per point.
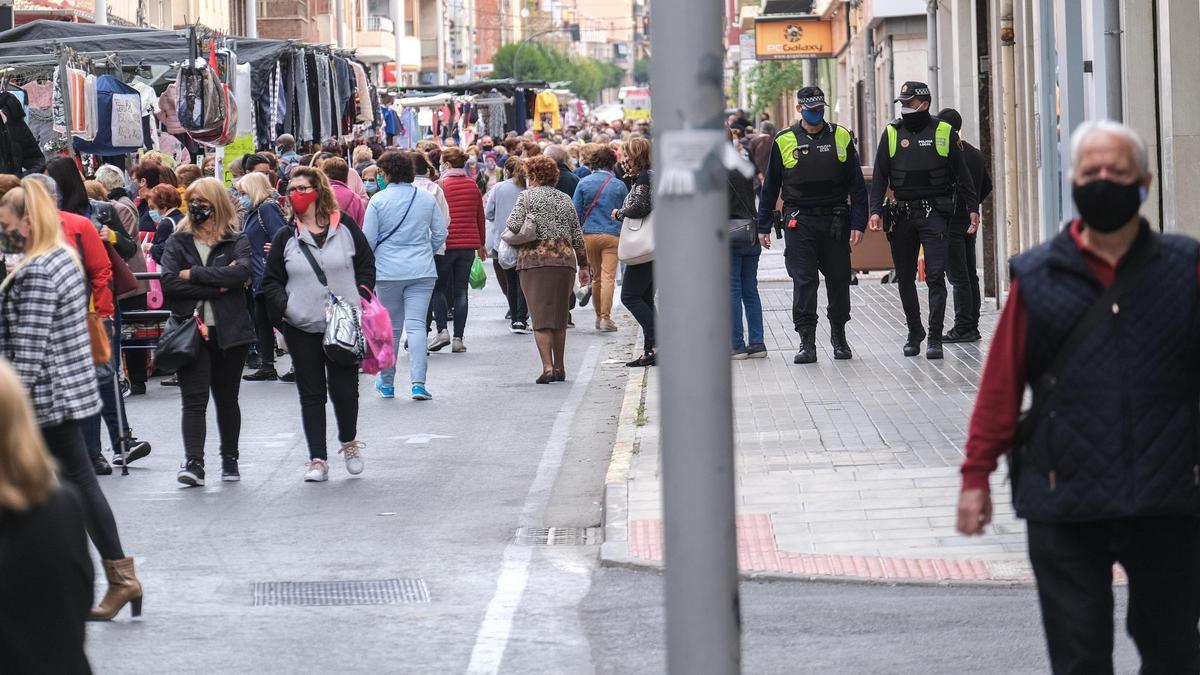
507 255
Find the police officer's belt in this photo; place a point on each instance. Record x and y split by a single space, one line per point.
813 210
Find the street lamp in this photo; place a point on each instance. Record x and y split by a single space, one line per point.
526 41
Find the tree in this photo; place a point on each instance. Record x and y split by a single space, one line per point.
587 76
773 79
641 71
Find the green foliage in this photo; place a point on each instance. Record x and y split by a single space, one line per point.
588 76
641 71
773 80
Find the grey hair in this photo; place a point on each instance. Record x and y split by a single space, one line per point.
557 153
110 177
50 184
1084 132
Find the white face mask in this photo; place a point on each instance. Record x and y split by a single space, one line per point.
905 110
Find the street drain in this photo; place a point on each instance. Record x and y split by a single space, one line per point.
331 593
558 536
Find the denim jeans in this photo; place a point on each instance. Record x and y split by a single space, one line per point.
743 288
407 303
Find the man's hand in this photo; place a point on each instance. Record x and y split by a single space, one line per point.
974 224
876 223
186 275
856 237
585 277
974 511
267 248
483 253
615 215
765 240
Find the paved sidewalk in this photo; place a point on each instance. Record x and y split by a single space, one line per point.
845 469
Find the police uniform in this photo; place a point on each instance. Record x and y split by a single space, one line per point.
816 173
920 159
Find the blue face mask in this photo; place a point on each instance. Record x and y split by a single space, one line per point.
371 187
245 201
155 215
813 117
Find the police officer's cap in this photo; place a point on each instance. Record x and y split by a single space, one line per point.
913 89
810 97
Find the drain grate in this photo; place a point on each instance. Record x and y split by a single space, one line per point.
558 536
331 593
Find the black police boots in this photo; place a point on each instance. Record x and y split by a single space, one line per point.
933 350
841 348
913 346
808 346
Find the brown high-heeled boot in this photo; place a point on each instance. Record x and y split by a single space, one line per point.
123 587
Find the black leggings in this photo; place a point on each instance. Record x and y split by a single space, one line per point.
218 371
637 294
316 377
65 442
264 331
454 277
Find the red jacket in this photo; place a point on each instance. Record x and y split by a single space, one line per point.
467 221
80 231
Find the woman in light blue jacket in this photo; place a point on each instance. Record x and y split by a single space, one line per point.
404 226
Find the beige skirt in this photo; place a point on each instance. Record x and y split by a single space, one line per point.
547 293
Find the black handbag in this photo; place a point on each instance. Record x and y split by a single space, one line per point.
179 344
742 231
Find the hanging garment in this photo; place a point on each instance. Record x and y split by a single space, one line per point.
41 123
304 119
493 117
335 99
425 117
118 119
41 95
171 145
91 114
546 104
365 115
345 92
19 152
245 101
168 110
521 116
409 131
207 109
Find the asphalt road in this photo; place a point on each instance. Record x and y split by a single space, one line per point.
446 485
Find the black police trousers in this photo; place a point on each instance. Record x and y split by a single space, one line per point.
963 273
1073 564
814 245
912 232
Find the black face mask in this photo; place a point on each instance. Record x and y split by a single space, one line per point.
1106 206
12 241
916 121
199 213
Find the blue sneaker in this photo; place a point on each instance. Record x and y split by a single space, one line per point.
384 390
419 393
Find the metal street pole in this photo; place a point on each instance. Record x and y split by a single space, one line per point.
692 272
101 12
398 22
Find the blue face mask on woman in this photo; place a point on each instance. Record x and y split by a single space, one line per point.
245 201
155 215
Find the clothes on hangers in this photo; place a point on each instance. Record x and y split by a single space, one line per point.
546 104
365 115
19 152
41 95
520 114
118 121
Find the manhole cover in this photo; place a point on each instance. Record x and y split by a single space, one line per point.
329 593
558 536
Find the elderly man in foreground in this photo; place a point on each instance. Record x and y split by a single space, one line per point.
1103 323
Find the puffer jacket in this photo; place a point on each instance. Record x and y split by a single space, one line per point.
467 222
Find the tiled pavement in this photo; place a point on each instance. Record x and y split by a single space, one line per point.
844 469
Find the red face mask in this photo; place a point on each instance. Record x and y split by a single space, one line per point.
302 201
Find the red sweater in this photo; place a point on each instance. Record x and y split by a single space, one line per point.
79 230
467 221
993 425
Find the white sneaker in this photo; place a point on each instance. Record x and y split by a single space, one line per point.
439 341
318 471
458 347
352 451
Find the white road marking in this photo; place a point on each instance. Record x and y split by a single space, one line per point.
492 639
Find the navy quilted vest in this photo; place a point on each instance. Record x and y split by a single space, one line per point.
1120 434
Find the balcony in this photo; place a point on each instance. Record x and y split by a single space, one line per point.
377 44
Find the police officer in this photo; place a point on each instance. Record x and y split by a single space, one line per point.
961 268
920 158
815 164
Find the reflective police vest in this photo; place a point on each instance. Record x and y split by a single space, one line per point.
920 160
814 167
